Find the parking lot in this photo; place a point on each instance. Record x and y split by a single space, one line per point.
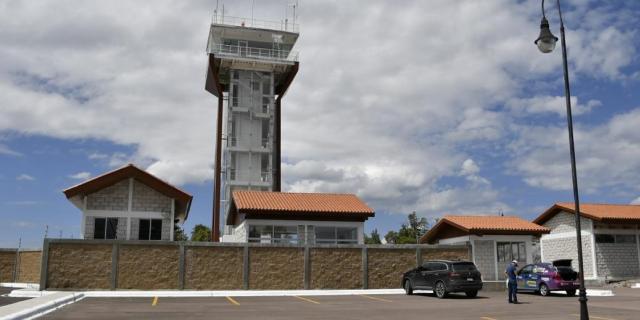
7 300
487 306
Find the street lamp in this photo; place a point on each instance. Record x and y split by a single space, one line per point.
546 42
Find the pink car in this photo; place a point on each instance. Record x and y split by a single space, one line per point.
547 277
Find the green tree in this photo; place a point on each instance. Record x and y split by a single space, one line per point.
373 239
201 233
391 237
178 233
410 232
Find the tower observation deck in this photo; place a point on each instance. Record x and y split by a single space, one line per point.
250 67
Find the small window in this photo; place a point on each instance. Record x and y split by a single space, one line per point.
625 238
150 229
347 235
105 228
255 85
325 234
605 238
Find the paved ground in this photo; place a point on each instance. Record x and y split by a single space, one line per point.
488 306
6 300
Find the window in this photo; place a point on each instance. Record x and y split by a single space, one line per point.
325 235
508 251
617 238
105 228
150 229
463 266
336 235
266 86
265 104
235 93
288 234
347 235
262 234
255 85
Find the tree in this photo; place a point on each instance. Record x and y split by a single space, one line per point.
178 233
391 237
201 233
409 233
373 239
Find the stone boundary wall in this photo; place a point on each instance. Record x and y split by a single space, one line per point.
144 265
24 267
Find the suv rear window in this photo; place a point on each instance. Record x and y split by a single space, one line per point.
464 266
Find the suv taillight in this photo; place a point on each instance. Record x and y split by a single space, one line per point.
557 277
453 274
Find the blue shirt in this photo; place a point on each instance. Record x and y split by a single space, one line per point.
511 272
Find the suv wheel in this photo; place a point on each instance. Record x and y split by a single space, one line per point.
571 292
440 290
544 290
472 294
407 287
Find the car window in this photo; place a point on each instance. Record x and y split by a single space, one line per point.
441 267
463 266
526 269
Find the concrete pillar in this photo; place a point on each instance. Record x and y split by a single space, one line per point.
44 265
307 268
245 268
365 268
114 265
181 267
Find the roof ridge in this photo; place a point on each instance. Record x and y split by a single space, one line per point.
287 192
602 204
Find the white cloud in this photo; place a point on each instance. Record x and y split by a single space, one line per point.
635 201
25 177
80 175
548 104
5 150
379 107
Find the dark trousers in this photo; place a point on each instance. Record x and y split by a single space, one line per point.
513 291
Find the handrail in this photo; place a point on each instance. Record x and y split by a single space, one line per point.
284 25
254 53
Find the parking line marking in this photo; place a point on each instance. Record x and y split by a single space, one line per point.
375 298
487 318
233 301
307 299
155 301
594 317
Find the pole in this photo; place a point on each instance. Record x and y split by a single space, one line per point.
584 312
215 223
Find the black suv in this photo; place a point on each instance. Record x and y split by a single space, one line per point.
444 277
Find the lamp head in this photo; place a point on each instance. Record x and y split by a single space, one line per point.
546 41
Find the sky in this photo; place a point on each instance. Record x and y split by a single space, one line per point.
438 107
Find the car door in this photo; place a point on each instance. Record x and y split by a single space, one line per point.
523 277
419 277
437 271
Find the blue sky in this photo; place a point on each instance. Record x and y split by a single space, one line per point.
436 107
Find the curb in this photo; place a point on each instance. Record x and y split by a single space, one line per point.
31 309
20 285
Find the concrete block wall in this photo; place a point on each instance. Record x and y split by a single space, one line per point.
113 198
617 260
566 248
565 222
7 265
118 264
485 258
147 199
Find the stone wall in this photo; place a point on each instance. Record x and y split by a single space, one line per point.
617 260
29 266
113 198
83 264
485 258
148 267
276 268
147 199
7 265
386 267
213 268
565 222
79 266
336 269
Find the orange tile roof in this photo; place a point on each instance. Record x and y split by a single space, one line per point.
595 211
302 204
480 225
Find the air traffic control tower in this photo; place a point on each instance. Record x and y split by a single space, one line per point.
251 65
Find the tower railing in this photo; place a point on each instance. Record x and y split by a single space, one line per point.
284 25
253 53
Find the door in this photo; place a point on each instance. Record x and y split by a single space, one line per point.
438 271
419 279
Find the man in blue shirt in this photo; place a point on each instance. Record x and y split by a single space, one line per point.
512 284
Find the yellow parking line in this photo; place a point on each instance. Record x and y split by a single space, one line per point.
594 317
375 298
307 299
155 301
487 318
233 301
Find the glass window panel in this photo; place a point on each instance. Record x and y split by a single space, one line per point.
286 234
523 252
98 228
262 234
112 228
514 251
143 229
347 235
605 238
625 238
325 234
156 229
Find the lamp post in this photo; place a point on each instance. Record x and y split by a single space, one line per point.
546 42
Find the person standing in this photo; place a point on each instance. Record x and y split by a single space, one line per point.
512 283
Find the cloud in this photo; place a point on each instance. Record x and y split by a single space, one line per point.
25 177
635 201
549 104
379 107
84 175
5 150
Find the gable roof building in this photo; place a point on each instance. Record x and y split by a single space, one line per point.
495 240
610 238
258 216
129 203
